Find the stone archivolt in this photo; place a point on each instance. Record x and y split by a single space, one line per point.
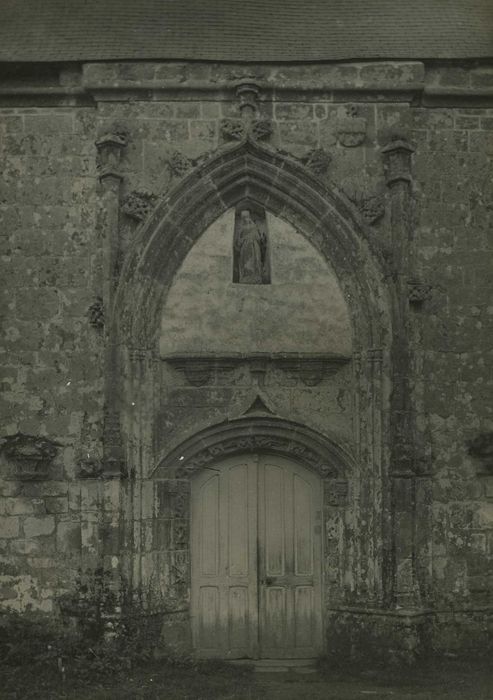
256 434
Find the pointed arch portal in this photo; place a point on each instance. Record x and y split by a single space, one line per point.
352 466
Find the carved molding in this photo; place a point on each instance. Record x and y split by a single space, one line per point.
139 204
200 369
113 459
317 160
256 434
30 456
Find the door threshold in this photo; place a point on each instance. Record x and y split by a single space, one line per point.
278 665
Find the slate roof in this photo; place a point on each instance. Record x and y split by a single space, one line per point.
244 30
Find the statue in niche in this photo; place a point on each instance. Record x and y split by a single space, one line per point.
251 264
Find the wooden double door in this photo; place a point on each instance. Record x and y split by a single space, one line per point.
256 559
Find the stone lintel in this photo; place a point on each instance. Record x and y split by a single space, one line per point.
311 367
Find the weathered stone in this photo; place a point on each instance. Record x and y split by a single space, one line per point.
9 527
39 526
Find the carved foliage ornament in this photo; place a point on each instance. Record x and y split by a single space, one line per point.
138 204
179 165
95 314
237 129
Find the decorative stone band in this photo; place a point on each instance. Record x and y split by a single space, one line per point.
199 369
256 434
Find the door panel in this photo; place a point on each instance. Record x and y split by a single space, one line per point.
256 560
224 560
289 560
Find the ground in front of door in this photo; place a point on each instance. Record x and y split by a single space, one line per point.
155 681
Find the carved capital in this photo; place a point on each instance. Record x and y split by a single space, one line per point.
397 161
110 147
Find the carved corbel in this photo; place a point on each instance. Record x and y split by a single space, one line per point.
28 456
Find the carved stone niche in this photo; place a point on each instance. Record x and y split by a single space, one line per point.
28 457
311 369
481 448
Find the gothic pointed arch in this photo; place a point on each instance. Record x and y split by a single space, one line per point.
283 186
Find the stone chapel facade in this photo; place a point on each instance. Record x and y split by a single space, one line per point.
247 351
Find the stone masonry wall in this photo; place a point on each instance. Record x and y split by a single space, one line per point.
57 530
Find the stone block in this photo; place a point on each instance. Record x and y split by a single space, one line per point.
299 133
481 141
9 527
68 537
90 495
26 546
111 495
43 305
50 124
56 504
161 534
187 110
482 77
18 506
297 110
38 526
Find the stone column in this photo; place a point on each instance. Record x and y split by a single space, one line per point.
403 589
110 147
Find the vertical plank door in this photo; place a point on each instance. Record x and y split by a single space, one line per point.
224 560
256 560
290 518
